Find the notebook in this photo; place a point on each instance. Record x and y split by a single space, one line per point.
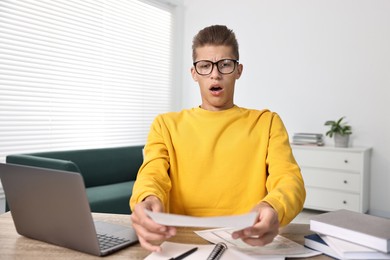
52 206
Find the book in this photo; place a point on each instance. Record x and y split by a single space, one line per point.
358 228
311 135
315 242
348 250
307 139
308 143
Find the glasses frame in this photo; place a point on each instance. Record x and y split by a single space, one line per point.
216 63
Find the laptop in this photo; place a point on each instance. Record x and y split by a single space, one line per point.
52 206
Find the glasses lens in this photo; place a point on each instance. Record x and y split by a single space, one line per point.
204 67
226 66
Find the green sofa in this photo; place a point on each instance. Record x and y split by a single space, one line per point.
108 173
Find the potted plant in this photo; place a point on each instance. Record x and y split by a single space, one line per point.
341 131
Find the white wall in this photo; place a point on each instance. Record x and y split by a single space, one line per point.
310 61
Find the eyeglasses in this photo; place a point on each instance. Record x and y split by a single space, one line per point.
225 66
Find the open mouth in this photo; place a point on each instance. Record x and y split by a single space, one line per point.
216 89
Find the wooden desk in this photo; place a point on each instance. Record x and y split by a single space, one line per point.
14 246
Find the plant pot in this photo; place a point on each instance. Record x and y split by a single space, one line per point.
341 140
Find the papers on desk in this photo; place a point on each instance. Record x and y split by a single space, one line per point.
170 249
281 246
237 221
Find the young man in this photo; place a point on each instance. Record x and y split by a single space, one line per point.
218 158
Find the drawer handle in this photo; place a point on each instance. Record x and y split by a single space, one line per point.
344 202
345 161
345 181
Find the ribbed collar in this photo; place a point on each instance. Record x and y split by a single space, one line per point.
209 113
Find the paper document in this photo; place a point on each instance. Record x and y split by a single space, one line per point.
237 221
170 249
281 246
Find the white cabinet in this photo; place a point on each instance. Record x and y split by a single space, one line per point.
335 178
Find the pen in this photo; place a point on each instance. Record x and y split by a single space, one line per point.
185 254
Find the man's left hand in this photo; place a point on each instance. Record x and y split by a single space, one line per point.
264 229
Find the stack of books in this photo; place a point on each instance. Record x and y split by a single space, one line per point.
308 139
344 234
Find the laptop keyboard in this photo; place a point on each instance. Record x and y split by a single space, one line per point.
108 241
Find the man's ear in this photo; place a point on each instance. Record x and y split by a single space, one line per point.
194 74
239 70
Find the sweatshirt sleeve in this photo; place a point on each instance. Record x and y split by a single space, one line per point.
153 175
285 186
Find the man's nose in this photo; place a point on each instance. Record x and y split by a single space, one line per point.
215 72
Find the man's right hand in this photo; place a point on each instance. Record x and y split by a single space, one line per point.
147 230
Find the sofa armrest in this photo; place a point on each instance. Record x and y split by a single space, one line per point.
43 162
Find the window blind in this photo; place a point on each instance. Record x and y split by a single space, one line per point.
82 74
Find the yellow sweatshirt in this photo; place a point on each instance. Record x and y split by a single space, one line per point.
207 163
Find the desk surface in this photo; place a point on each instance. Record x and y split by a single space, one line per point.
14 246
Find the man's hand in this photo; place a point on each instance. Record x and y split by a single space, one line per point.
265 228
148 230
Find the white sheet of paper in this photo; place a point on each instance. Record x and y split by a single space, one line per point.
236 221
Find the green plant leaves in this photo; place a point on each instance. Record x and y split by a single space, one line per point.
339 127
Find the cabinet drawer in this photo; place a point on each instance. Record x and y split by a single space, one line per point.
329 159
323 199
323 178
